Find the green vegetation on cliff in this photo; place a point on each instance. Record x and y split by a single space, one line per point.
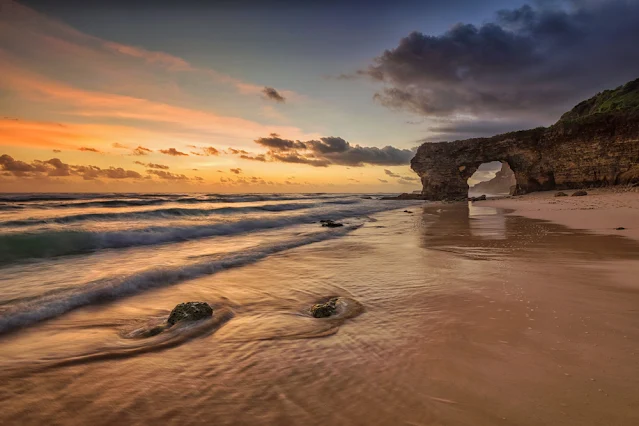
622 99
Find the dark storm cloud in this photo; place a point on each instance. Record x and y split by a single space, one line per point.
173 152
272 94
534 61
464 129
56 168
330 151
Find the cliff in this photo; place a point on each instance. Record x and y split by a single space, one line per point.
595 144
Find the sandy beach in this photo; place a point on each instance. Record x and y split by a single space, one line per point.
601 211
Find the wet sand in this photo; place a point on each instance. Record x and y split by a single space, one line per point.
601 211
471 317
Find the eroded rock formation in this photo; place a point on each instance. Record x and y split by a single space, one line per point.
580 150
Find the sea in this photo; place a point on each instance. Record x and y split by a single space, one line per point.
448 313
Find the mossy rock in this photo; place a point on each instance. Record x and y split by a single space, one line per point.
190 311
323 310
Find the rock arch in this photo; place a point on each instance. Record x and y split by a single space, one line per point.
594 152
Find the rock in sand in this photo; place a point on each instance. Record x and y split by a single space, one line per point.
190 311
323 310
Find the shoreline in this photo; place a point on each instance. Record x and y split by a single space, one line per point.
601 211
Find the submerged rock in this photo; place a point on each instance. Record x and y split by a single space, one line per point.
190 311
330 224
323 310
561 194
579 193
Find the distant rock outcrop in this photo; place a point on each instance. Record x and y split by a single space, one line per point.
500 184
595 144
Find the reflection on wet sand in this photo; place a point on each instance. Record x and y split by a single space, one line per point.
471 318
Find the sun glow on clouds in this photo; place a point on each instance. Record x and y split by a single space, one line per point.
106 103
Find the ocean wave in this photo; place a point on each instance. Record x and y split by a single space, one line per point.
157 214
103 290
44 201
49 243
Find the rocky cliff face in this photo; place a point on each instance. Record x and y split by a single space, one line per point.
587 148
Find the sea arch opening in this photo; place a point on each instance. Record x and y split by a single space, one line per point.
492 178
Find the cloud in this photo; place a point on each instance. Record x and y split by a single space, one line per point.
153 165
353 180
57 151
56 168
140 150
236 171
259 157
391 174
205 151
533 62
209 150
272 94
383 180
119 145
167 175
329 151
84 148
237 151
406 180
173 152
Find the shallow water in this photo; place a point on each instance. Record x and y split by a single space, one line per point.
454 315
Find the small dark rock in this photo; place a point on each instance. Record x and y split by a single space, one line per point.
621 228
407 211
561 194
480 198
190 311
579 193
330 224
323 310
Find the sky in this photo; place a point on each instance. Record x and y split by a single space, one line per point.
285 96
